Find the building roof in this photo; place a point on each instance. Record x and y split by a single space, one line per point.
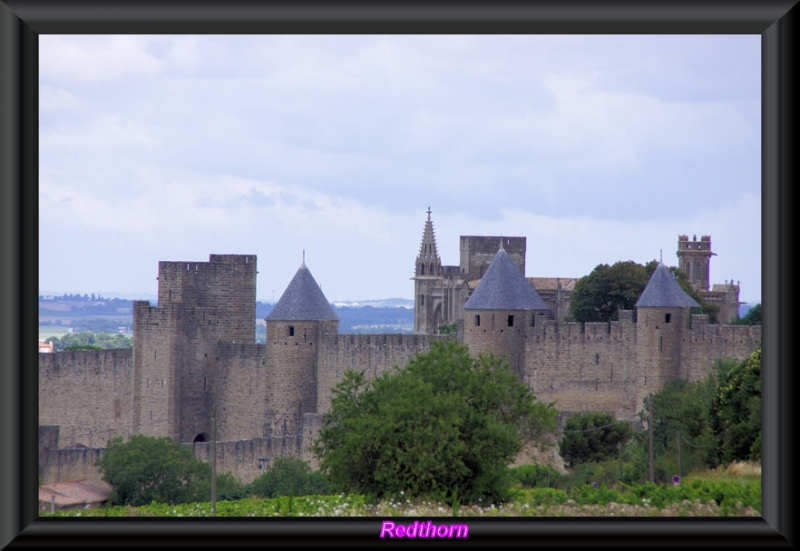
71 494
504 287
552 283
302 300
664 291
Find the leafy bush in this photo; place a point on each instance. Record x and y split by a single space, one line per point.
446 422
147 469
592 437
537 476
290 476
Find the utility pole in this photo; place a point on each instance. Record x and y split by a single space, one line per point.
213 461
650 440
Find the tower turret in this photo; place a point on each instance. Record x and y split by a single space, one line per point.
662 318
300 319
499 311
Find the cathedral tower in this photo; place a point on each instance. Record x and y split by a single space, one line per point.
694 258
427 283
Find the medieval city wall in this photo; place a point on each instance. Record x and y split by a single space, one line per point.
248 459
87 393
705 343
584 367
374 354
238 389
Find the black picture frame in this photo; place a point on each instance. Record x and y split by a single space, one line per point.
21 21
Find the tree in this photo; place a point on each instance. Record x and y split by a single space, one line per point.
736 411
607 289
290 476
147 469
446 424
592 437
752 317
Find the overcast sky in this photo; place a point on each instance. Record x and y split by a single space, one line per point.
595 148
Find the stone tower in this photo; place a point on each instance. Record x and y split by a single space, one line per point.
200 304
427 283
500 311
663 317
300 320
694 258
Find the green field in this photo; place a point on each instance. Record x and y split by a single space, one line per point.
46 331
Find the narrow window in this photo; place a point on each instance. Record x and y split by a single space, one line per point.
597 359
660 344
205 381
477 320
668 318
422 300
291 330
511 321
422 269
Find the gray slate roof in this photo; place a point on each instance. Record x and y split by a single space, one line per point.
663 291
504 287
302 301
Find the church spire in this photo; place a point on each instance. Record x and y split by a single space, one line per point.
428 261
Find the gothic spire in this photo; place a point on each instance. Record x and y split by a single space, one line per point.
428 261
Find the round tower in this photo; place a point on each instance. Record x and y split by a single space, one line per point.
663 315
300 320
502 307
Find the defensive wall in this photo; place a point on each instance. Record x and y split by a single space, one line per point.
374 354
246 459
88 393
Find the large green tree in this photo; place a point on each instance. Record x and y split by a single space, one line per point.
592 437
736 411
446 424
607 289
146 469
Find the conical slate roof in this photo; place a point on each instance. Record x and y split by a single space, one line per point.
504 287
664 291
302 300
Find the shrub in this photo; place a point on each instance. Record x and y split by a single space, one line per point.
290 476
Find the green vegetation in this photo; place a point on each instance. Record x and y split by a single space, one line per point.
736 411
290 476
446 425
91 341
607 289
752 317
698 495
592 437
147 469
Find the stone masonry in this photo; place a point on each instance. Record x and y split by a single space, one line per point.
195 356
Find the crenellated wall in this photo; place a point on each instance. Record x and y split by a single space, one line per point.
88 393
373 354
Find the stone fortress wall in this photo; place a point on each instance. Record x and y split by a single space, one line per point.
195 357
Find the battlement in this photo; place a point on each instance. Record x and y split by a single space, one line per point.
212 283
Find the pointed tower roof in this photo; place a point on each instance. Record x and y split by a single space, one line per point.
427 249
302 300
504 287
664 291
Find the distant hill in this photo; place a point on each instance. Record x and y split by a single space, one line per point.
93 312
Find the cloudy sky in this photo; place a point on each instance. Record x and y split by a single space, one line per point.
596 148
